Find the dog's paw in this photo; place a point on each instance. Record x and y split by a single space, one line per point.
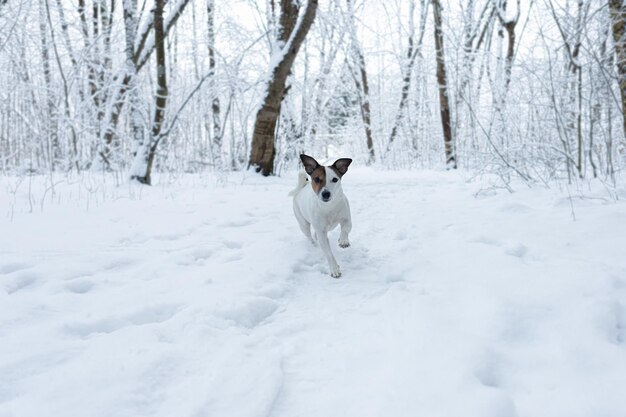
344 243
335 274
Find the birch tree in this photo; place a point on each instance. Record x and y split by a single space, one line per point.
144 157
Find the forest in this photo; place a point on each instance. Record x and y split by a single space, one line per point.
530 89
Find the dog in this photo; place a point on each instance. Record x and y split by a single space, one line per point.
323 205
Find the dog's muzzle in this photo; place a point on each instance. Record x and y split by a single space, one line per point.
326 195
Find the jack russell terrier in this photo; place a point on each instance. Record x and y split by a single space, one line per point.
323 205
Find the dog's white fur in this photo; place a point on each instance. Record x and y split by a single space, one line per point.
323 214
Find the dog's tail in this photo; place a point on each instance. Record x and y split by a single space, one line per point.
302 179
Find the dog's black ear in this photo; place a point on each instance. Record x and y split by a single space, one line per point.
341 165
309 163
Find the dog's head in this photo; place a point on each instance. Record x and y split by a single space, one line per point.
326 180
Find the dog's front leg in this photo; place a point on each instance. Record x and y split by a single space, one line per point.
322 238
346 227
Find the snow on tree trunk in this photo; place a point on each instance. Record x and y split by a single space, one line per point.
144 46
136 120
291 37
144 158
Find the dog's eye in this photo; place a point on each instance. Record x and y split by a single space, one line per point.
335 179
317 180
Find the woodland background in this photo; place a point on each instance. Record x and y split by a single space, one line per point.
533 89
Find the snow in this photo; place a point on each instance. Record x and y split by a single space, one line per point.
199 298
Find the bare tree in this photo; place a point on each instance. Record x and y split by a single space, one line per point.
475 35
331 42
291 37
144 47
137 120
144 158
508 23
442 82
52 133
71 97
414 49
360 78
216 140
617 9
572 39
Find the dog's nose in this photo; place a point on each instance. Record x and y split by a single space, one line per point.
326 195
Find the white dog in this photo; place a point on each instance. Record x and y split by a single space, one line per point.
323 205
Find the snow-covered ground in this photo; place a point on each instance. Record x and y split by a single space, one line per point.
203 299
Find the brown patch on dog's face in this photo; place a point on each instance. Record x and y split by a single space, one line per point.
316 171
318 179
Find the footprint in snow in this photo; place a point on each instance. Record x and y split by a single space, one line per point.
232 244
487 371
194 256
401 235
395 277
80 286
148 315
273 291
169 236
486 240
20 282
515 208
238 223
13 267
249 312
618 283
518 250
231 251
119 263
616 323
201 254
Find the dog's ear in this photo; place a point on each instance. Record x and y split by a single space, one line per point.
309 163
341 166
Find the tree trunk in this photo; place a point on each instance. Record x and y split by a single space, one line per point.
142 54
618 17
365 112
475 35
362 85
263 150
442 82
573 42
144 159
54 151
414 49
136 118
509 26
216 140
